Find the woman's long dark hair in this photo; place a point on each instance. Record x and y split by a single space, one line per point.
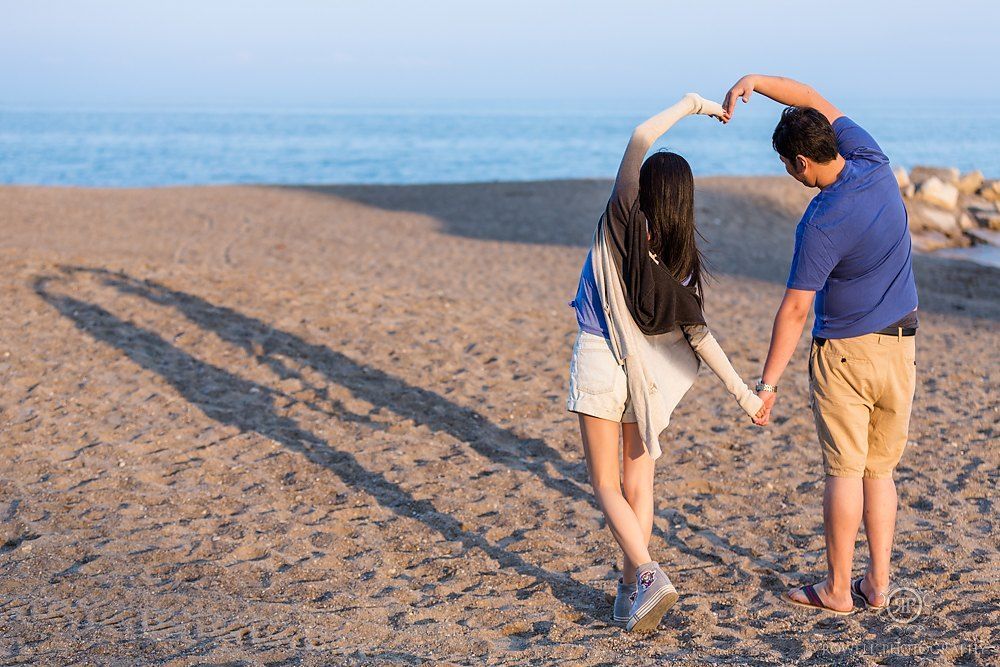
666 198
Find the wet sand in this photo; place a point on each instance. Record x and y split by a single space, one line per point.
262 425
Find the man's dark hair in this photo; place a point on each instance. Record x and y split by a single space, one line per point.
804 131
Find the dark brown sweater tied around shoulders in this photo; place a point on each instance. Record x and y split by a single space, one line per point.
658 302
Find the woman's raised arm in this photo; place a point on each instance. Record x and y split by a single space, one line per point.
626 189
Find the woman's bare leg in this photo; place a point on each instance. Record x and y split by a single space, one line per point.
637 480
600 446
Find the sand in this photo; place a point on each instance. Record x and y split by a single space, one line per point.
263 425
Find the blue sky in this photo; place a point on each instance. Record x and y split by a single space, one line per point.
292 53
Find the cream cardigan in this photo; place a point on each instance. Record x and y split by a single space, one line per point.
660 368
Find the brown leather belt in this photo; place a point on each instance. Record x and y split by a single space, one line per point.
888 331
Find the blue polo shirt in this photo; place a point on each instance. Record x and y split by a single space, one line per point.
852 246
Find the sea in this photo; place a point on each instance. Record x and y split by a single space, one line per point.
440 143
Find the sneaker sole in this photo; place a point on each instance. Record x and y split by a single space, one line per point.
651 619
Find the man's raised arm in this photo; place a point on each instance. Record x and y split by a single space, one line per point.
783 91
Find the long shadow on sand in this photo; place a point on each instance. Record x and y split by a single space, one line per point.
208 387
756 244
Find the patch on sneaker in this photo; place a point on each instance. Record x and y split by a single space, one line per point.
631 596
646 579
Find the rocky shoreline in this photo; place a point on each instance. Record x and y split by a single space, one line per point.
949 210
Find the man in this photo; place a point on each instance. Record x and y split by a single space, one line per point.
852 254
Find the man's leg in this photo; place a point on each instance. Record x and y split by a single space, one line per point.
843 504
840 378
887 434
880 527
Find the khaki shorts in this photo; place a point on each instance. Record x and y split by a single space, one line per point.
598 386
861 395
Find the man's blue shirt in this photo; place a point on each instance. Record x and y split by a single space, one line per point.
852 246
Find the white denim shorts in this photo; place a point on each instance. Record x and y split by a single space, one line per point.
598 386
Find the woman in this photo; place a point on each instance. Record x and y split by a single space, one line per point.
642 333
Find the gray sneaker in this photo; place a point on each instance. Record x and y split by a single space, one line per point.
654 596
623 601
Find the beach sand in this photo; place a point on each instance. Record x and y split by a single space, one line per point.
275 425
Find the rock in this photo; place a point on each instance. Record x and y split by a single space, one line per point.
966 221
986 236
909 190
990 219
937 192
930 241
975 201
928 218
902 178
970 182
990 190
946 174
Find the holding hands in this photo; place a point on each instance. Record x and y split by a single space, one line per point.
764 415
751 403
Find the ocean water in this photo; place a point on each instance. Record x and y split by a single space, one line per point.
125 148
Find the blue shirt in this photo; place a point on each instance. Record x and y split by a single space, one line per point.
589 309
852 245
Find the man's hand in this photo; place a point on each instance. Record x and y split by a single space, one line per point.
764 416
742 89
782 90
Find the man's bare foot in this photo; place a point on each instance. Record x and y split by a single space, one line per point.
843 602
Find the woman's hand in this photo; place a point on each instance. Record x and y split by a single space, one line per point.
755 408
705 107
762 417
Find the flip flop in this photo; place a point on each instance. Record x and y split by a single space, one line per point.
856 591
814 601
860 596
